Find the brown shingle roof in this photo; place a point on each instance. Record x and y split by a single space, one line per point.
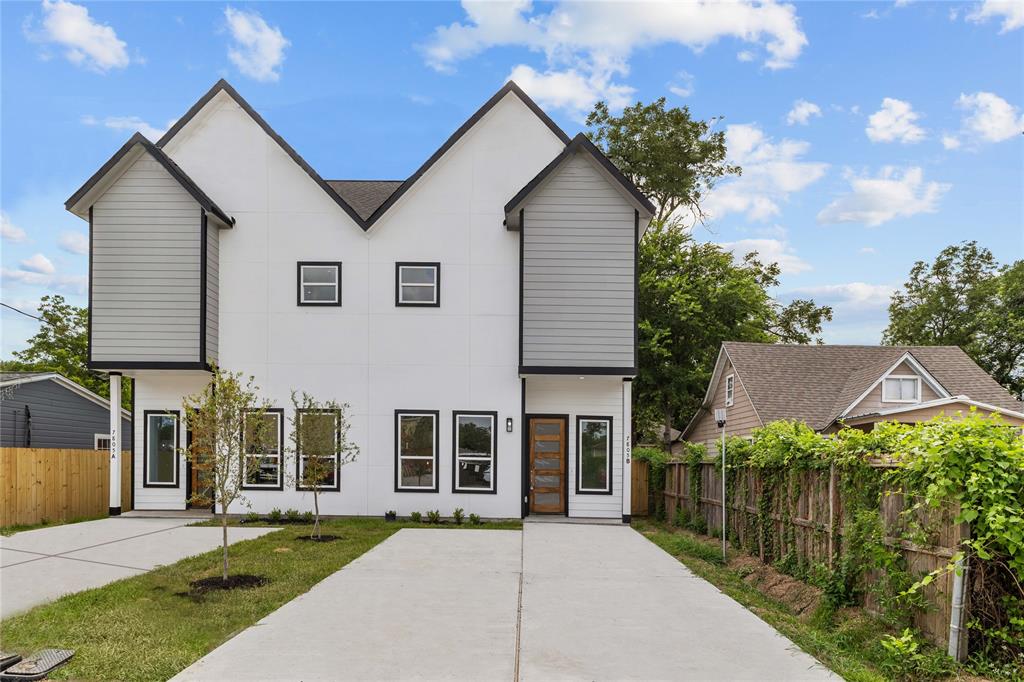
365 196
816 384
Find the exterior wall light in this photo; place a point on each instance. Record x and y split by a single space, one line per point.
508 424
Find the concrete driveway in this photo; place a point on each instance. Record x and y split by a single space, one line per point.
38 566
555 602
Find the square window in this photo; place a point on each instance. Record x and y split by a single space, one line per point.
319 283
416 441
594 455
262 447
901 390
101 441
474 443
418 284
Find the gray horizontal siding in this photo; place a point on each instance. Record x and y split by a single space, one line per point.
60 418
146 248
212 291
578 277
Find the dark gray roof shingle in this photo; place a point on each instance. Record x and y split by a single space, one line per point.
365 196
815 384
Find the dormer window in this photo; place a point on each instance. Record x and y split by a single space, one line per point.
730 390
901 389
418 284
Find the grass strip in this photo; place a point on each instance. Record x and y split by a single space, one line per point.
147 627
22 527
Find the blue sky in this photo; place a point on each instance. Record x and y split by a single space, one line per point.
871 134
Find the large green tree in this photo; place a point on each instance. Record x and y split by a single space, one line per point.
693 296
965 298
673 158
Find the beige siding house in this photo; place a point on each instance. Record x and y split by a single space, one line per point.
828 387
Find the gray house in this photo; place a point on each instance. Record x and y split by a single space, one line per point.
47 410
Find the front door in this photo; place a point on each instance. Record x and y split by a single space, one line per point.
199 486
548 469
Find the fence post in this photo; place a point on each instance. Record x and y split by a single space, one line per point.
833 491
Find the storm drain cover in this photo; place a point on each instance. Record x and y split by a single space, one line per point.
38 665
7 660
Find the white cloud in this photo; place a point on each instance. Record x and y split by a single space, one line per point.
86 42
950 142
867 250
859 309
571 90
891 194
77 284
770 251
129 124
852 295
989 118
74 242
683 85
771 172
258 50
894 122
592 42
11 232
871 14
1010 11
746 56
39 263
802 112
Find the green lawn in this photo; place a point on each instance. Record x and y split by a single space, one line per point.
11 530
149 628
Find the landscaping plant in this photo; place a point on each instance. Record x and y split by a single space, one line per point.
434 516
415 517
458 515
216 416
474 519
321 446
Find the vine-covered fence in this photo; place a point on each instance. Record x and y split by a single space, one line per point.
799 520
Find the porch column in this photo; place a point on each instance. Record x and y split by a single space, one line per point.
115 443
627 449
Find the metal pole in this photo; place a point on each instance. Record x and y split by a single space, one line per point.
723 496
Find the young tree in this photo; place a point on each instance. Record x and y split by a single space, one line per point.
674 159
693 296
222 418
965 298
321 446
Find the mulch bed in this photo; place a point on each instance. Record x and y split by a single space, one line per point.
234 582
322 538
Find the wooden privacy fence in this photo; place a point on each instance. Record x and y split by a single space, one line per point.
813 503
640 492
46 484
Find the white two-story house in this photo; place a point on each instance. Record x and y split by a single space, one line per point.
478 317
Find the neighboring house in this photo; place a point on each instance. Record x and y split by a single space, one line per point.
48 410
828 387
478 317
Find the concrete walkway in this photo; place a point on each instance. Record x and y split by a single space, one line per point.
38 566
555 602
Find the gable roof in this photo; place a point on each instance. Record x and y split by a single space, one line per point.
365 196
817 384
338 194
18 378
580 143
139 140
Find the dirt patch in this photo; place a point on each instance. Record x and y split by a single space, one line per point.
233 582
802 598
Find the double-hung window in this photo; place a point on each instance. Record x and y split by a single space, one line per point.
160 462
474 445
319 283
319 450
418 284
730 390
416 443
901 389
594 455
263 442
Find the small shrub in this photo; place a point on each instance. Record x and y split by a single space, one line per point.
292 515
905 659
474 519
252 517
415 517
458 515
307 517
434 516
274 515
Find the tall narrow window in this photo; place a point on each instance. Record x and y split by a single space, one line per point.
417 284
161 457
319 283
474 445
730 390
264 437
321 437
594 455
416 441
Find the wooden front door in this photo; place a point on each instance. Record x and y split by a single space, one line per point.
548 465
199 487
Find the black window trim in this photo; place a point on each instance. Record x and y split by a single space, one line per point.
436 414
145 448
579 454
455 453
337 455
298 283
399 303
280 449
